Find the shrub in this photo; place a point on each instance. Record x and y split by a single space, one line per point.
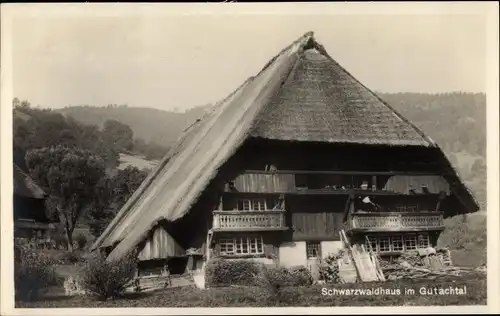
33 272
105 279
329 269
68 257
221 272
81 241
60 240
296 276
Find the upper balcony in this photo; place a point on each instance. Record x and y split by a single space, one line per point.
338 182
249 220
392 221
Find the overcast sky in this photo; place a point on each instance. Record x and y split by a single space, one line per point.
178 61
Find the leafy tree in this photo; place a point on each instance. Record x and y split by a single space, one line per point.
118 135
140 146
69 176
125 182
101 210
20 105
154 151
46 128
110 194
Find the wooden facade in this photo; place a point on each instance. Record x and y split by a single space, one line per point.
305 207
292 216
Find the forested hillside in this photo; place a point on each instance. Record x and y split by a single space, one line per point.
457 122
151 125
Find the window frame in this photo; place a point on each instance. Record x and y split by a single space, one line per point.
399 243
310 249
421 238
241 246
252 205
412 240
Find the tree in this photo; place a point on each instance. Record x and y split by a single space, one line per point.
101 210
111 193
125 182
69 176
18 104
140 146
118 135
155 151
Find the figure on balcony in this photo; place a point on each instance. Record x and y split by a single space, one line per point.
368 206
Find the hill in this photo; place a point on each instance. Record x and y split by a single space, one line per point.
152 125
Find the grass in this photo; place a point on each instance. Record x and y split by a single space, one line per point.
465 236
296 296
136 161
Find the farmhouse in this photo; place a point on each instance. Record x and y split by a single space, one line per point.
297 153
30 220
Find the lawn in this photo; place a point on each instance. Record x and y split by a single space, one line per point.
475 284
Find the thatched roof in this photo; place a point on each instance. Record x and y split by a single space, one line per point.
320 101
302 94
25 186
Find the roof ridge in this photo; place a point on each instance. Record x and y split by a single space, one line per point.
300 50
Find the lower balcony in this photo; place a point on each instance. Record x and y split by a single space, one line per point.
248 220
383 221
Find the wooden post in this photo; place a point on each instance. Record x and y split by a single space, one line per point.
220 204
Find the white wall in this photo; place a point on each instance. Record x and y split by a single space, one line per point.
293 254
330 247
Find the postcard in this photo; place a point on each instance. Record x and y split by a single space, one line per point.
227 158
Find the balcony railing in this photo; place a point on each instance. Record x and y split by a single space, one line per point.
395 221
248 220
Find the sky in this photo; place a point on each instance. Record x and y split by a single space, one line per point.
174 61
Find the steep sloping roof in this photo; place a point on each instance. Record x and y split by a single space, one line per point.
322 102
302 94
25 186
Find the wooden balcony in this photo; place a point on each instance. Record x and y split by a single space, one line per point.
248 220
389 221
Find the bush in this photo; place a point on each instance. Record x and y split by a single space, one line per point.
70 257
296 276
221 272
81 241
329 269
33 272
105 279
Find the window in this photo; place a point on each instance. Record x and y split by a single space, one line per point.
252 205
241 246
397 243
410 242
407 208
313 250
412 208
423 241
259 205
384 244
226 246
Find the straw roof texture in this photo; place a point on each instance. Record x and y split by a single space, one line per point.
25 186
322 102
302 94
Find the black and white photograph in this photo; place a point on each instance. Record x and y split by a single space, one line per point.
211 156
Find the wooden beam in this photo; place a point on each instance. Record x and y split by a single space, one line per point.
343 172
370 214
249 229
399 229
